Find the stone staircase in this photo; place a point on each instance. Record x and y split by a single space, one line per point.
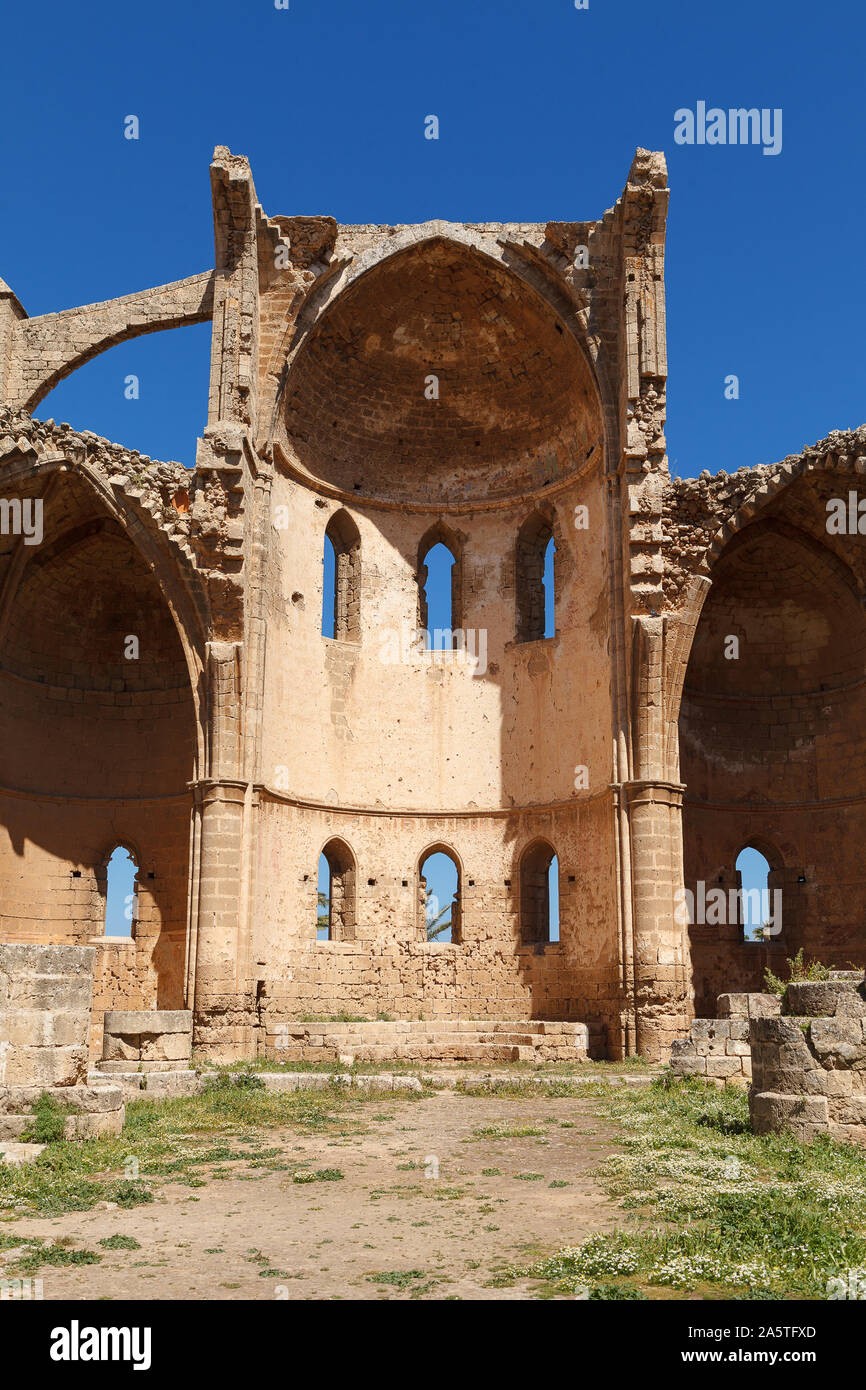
434 1040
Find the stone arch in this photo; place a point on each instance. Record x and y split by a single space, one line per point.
50 347
440 847
422 308
533 870
173 569
441 534
342 895
767 490
345 538
103 734
772 726
564 295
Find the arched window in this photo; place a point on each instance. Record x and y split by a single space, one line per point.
341 582
120 893
439 588
755 900
335 898
539 894
535 579
549 589
439 895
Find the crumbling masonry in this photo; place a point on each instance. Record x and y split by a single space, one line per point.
492 385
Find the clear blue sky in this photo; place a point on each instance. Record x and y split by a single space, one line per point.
541 107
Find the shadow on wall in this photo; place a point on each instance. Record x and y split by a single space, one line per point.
97 726
773 746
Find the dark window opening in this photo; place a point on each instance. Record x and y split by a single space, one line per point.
341 586
535 580
539 894
335 898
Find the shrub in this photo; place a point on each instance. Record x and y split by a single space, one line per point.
798 969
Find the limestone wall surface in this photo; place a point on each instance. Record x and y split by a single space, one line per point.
809 1066
718 1049
46 994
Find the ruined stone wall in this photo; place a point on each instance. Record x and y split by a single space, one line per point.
395 753
457 382
808 1066
772 732
98 748
718 1049
389 968
46 994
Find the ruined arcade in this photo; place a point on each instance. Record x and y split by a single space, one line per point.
487 387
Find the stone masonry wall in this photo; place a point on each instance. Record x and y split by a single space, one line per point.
46 994
809 1066
718 1049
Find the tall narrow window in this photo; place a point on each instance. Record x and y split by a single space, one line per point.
539 894
329 588
120 893
755 903
341 580
335 897
549 590
535 579
439 895
439 588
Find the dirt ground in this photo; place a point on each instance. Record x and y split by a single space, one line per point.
250 1235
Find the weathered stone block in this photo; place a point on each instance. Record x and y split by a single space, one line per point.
772 1112
822 999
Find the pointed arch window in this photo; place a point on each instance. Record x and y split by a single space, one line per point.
341 587
539 894
335 897
754 899
121 892
439 588
535 583
439 885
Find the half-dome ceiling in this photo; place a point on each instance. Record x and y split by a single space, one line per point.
517 406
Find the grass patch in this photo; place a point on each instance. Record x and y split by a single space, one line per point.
715 1208
58 1254
179 1140
526 1130
320 1175
49 1121
397 1278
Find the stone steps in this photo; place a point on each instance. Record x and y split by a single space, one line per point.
137 1085
428 1040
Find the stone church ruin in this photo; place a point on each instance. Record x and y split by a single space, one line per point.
490 388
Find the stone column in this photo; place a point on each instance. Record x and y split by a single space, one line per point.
661 959
662 970
224 1013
